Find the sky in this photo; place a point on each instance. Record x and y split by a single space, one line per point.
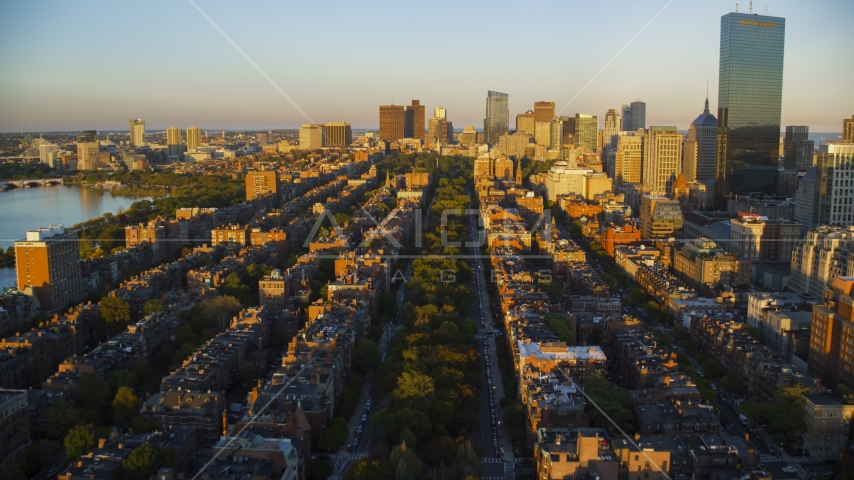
68 66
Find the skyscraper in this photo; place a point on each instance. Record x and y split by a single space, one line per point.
556 134
542 133
750 91
613 126
48 260
627 116
662 159
638 115
628 159
47 153
174 149
440 112
137 132
586 132
413 126
194 138
701 148
544 111
797 148
392 123
87 148
497 119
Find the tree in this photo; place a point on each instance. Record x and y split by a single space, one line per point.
60 418
221 309
613 400
413 384
125 404
331 439
141 425
79 440
366 355
145 461
320 469
114 310
153 305
122 378
93 392
405 462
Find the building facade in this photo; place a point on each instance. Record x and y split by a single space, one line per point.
413 124
48 260
497 119
750 90
392 123
137 132
662 160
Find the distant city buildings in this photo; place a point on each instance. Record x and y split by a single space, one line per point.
137 132
259 184
337 134
750 90
174 147
586 132
637 116
662 160
194 138
311 136
525 122
87 150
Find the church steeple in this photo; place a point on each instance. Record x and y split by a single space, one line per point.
387 178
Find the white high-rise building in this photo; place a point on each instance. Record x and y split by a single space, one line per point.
825 254
137 132
662 159
310 136
47 153
556 134
628 159
194 138
440 112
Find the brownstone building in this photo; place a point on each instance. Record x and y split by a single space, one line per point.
831 357
14 421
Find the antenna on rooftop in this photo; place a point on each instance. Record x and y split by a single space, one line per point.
736 7
751 6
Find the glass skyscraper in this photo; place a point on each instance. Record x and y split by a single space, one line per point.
497 121
750 91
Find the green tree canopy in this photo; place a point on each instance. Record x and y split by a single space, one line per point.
366 355
114 310
125 404
79 440
153 305
145 461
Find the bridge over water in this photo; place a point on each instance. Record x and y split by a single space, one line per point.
34 182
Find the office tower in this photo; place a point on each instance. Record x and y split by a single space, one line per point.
638 115
259 184
568 130
137 133
261 138
497 119
826 253
586 132
440 112
174 149
627 116
468 136
848 129
628 159
338 134
831 335
311 136
797 148
194 138
48 260
556 134
660 216
544 111
749 96
47 153
440 129
87 148
833 192
701 148
613 126
525 122
543 133
413 125
392 123
662 159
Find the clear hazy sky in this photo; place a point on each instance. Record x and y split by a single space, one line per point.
95 64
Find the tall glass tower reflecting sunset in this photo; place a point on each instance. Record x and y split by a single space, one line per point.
750 92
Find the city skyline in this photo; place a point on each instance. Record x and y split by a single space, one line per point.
218 87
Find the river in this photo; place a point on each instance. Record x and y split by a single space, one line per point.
25 209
